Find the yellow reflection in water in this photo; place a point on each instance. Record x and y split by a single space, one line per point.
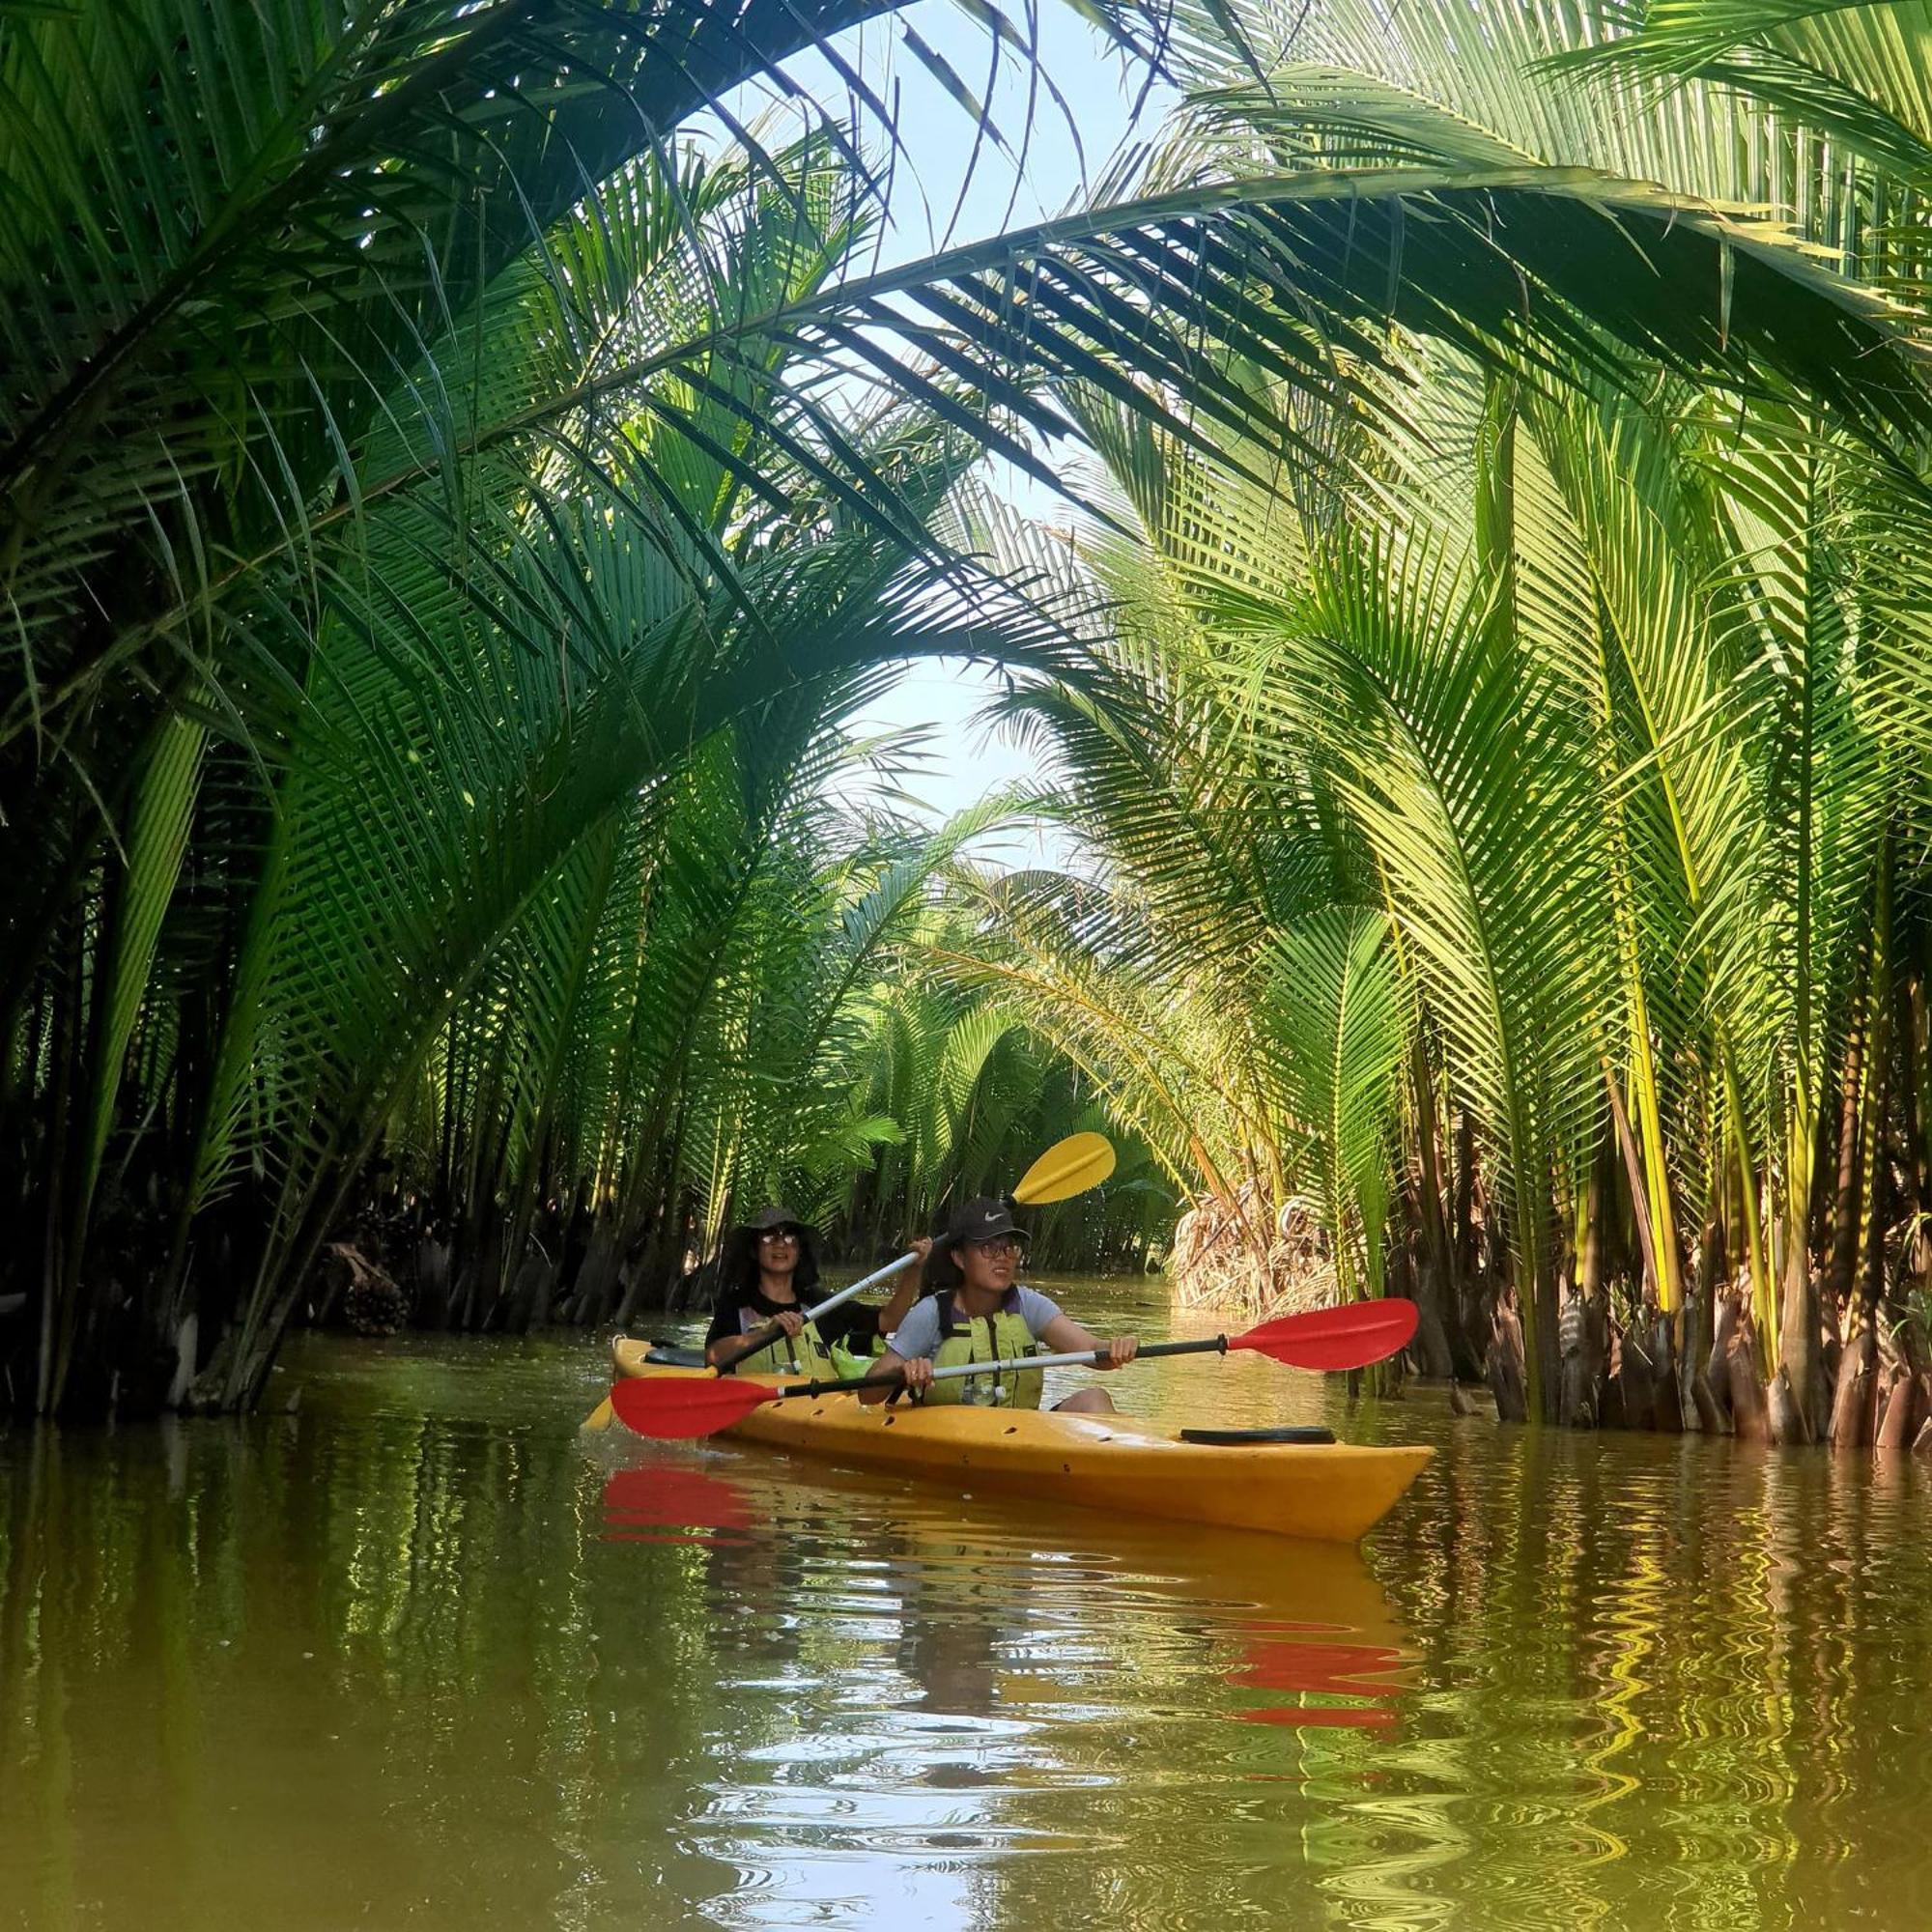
414 1654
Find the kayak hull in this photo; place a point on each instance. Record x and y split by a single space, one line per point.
1331 1492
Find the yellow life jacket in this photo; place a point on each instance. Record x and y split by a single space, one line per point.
802 1354
997 1337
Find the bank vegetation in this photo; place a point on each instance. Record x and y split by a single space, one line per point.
448 519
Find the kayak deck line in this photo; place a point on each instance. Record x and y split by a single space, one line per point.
1326 1491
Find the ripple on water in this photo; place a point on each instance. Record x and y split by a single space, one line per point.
418 1652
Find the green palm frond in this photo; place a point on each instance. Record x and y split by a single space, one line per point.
1334 1026
1856 73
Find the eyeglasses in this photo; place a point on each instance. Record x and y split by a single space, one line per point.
778 1236
997 1245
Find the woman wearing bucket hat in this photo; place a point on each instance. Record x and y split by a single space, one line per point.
768 1266
978 1312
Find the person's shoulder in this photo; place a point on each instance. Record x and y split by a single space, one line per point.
921 1316
1034 1308
918 1332
727 1318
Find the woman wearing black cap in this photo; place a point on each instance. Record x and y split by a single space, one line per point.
768 1264
980 1313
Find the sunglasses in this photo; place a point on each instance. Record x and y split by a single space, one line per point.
786 1236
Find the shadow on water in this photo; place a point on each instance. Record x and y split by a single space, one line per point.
420 1655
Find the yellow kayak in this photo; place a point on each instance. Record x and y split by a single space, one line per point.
1326 1490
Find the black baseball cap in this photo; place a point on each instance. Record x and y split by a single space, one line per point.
980 1219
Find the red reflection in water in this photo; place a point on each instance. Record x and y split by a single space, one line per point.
1334 1668
639 1505
1308 1668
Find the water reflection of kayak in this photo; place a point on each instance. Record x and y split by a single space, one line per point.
1325 1490
1301 1633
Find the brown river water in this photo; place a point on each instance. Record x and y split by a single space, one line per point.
422 1655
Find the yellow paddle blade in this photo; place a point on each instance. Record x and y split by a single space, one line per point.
1066 1168
600 1417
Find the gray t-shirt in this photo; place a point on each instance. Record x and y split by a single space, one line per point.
918 1333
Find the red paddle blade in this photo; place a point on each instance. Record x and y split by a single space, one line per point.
671 1407
1348 1337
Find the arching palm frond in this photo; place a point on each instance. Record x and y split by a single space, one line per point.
1333 1023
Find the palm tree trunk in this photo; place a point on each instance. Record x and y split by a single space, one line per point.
1585 1324
1714 1405
59 1308
1914 1071
1736 1354
1862 1205
1435 1276
1506 1363
1655 1280
1921 1104
1798 1381
1845 1200
1473 1318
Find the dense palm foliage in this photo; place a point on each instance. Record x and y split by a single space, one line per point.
442 524
476 773
1543 772
735 1010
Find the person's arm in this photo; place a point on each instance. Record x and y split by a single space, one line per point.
905 1292
724 1326
910 1355
1064 1336
915 1376
728 1349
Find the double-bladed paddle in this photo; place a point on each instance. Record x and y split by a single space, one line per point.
1068 1167
1348 1337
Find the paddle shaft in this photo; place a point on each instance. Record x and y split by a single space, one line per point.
771 1331
1084 1358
